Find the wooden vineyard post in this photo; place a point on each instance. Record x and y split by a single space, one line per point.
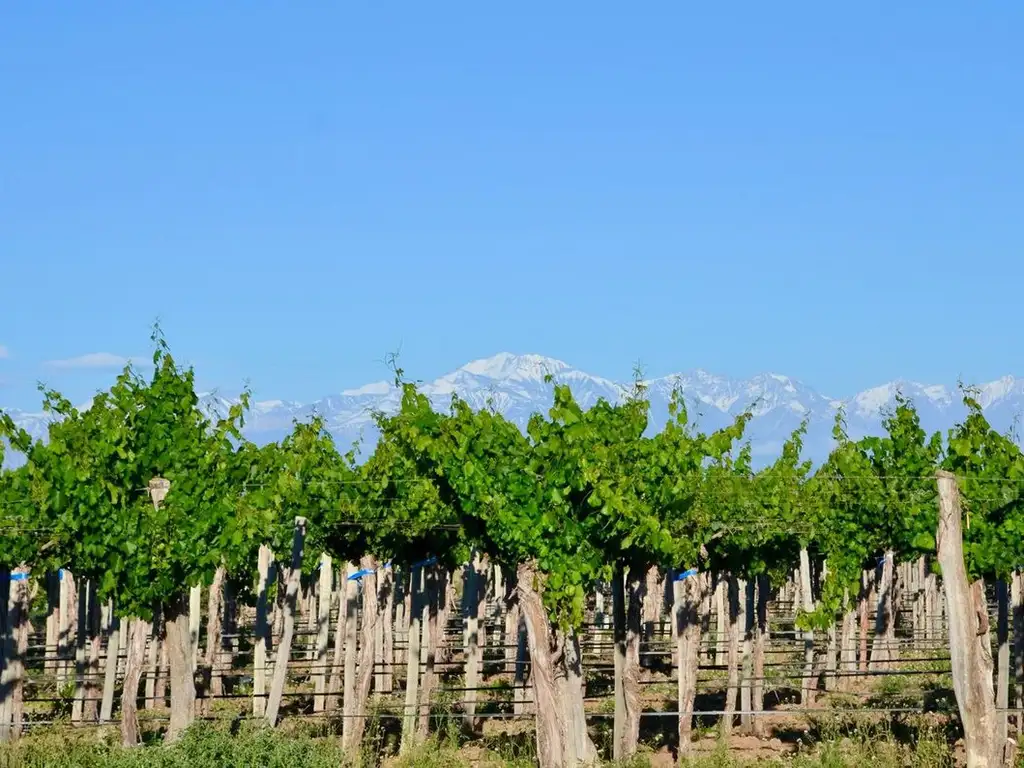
6 653
1017 598
882 650
94 626
862 618
847 642
599 619
474 594
412 660
112 628
721 618
78 707
732 654
381 621
387 681
285 648
323 629
262 635
749 590
153 662
350 605
195 607
433 593
68 624
1003 665
353 734
14 626
522 679
760 641
52 623
20 627
969 650
807 605
619 651
334 684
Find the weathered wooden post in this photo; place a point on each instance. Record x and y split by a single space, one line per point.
323 628
262 634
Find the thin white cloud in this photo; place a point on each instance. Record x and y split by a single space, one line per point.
91 360
4 352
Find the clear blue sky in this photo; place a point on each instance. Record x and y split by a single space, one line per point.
297 188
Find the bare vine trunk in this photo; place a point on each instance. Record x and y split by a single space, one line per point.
627 601
288 630
179 653
688 599
559 743
969 644
212 666
138 632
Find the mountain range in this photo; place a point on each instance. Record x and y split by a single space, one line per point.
515 386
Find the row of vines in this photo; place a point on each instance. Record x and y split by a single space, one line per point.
336 581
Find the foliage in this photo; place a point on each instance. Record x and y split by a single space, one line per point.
89 486
990 471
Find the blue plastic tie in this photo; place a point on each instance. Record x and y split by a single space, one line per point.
686 574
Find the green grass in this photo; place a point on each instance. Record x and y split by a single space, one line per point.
202 745
830 744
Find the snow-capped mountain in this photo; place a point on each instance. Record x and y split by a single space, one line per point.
516 386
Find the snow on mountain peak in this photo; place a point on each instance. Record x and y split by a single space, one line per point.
376 388
871 401
506 365
514 386
997 390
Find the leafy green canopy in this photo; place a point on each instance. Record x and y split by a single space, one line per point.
89 485
990 470
18 522
758 522
874 496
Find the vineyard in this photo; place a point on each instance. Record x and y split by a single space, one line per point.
595 588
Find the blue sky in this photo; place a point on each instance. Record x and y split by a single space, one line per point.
298 188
